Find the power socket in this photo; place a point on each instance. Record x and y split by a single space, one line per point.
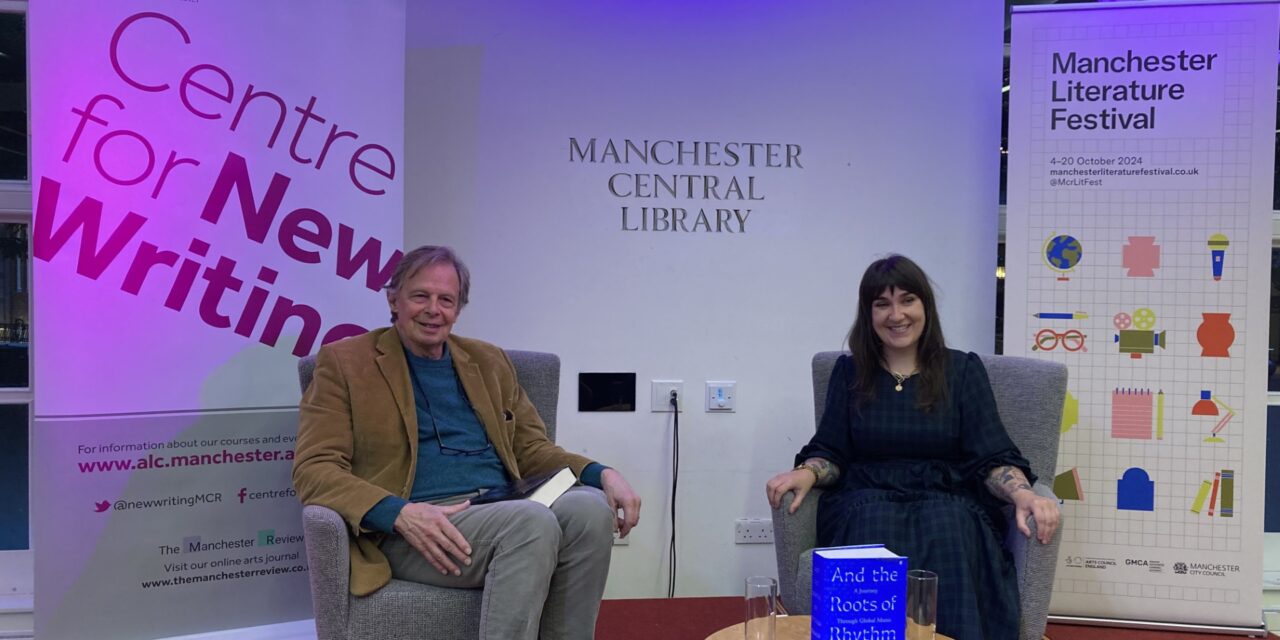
753 531
660 402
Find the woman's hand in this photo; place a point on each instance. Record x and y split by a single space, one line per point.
798 480
1027 503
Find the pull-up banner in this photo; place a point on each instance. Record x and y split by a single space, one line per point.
1141 165
218 190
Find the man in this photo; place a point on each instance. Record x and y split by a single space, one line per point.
402 425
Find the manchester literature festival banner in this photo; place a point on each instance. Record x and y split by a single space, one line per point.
1139 239
218 191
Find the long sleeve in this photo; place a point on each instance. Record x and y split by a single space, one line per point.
833 440
985 444
322 464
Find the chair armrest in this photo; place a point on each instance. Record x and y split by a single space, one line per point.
793 534
329 562
1036 564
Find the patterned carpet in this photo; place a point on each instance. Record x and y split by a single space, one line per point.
697 618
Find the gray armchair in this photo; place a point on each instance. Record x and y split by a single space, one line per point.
404 610
1029 394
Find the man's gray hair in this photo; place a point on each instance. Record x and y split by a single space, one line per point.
427 255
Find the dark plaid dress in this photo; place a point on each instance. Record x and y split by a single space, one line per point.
915 483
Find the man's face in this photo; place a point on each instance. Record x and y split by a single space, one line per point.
426 306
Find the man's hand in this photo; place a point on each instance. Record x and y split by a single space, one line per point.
620 496
1028 503
427 528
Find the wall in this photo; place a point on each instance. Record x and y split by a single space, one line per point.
895 110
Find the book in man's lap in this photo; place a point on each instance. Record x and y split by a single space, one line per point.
859 592
543 488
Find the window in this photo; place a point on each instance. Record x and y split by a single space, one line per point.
16 573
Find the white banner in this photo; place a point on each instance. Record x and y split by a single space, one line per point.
218 189
691 191
1138 253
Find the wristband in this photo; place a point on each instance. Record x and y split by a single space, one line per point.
805 465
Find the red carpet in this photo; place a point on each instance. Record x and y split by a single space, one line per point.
697 618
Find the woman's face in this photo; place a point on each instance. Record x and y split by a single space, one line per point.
898 318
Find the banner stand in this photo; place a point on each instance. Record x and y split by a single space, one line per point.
1138 254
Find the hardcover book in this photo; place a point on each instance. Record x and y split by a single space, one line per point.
859 592
543 488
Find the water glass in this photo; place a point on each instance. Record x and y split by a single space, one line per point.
922 604
762 608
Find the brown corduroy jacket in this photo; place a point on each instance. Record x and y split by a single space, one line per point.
358 432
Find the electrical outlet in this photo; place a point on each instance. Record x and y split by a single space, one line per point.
753 531
661 402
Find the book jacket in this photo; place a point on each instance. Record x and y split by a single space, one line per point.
859 593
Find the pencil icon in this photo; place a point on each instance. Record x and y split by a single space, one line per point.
1053 315
1160 415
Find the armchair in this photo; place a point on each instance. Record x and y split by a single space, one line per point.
403 610
1029 394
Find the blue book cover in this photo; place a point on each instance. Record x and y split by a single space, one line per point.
859 593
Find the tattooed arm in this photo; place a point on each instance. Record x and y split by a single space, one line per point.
1008 484
1002 482
815 472
824 471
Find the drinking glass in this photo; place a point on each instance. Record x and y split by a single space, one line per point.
922 604
762 608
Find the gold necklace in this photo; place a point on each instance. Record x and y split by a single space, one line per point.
900 378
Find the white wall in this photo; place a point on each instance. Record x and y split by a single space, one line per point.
896 108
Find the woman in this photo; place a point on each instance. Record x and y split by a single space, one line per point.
915 457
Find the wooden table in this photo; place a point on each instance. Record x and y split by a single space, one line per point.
789 628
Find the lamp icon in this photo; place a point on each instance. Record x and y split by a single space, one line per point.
1208 405
1218 244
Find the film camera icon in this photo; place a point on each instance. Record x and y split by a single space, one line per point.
1141 338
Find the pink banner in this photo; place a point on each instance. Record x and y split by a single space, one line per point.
218 190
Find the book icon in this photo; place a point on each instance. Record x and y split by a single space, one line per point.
1066 485
1220 493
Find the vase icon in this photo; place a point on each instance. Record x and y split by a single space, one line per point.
1215 335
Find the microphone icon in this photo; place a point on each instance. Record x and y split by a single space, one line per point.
1218 252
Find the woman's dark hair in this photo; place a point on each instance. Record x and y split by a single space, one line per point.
898 272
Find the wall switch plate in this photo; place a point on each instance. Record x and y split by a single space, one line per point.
753 531
662 389
619 541
721 396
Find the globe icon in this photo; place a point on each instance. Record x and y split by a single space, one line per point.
1062 253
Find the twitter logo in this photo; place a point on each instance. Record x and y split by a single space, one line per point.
101 506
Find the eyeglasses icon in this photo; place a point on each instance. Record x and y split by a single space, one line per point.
1048 340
